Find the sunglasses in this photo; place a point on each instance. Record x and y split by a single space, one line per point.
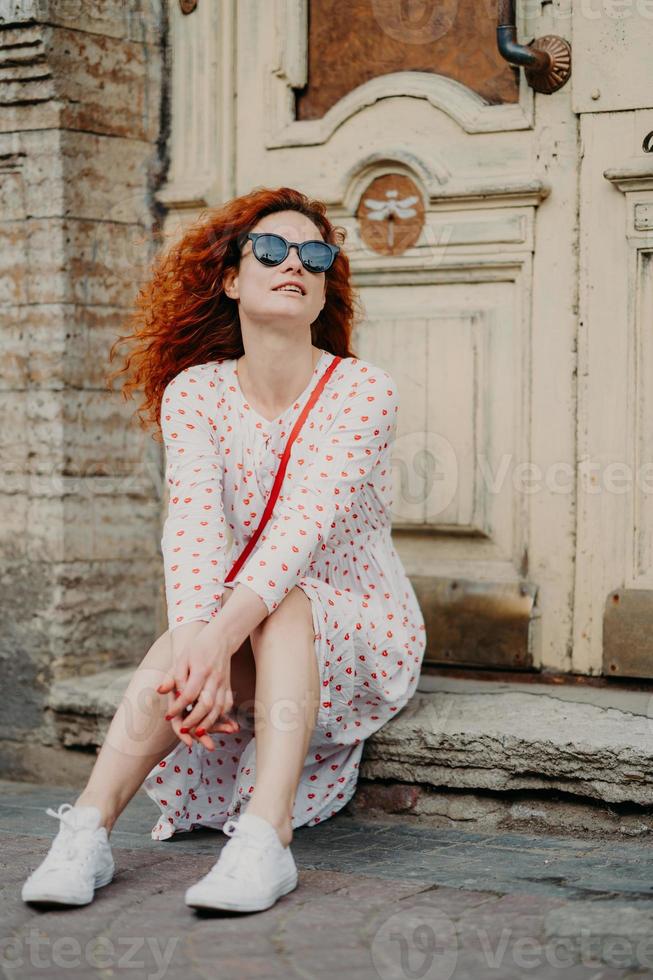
269 249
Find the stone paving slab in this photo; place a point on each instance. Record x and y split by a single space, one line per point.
374 900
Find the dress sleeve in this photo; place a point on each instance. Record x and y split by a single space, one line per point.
193 543
336 473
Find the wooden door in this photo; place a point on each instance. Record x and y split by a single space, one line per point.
458 189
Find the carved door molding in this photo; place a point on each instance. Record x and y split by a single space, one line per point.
288 70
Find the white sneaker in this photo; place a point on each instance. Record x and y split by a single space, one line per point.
78 862
254 869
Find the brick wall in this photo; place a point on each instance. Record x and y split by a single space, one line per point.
83 123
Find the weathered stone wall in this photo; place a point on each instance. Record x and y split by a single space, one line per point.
83 123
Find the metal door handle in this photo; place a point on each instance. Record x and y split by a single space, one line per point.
546 60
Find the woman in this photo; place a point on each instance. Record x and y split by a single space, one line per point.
268 684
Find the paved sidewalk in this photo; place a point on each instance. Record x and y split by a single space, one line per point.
375 900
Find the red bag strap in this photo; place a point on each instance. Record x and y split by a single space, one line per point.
281 472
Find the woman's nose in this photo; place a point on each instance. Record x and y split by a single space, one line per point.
292 262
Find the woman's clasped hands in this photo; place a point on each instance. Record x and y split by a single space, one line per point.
200 679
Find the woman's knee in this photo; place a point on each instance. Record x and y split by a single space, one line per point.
295 608
293 614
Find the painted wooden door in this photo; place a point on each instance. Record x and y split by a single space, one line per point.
460 190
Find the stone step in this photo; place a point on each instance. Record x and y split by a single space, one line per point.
496 736
462 734
83 707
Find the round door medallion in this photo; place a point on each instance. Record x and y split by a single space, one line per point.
390 214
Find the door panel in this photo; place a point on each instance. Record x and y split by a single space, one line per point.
459 377
451 38
614 594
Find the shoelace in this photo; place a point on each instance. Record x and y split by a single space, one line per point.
243 847
230 827
66 846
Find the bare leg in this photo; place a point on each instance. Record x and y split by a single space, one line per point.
287 701
139 736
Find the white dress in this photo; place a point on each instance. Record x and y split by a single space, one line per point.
329 534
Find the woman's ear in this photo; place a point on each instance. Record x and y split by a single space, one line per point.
229 283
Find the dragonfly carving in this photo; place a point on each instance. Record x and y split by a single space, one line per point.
391 210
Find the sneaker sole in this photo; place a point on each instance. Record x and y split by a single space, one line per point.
42 896
286 886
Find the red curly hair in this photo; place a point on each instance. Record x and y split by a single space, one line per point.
182 316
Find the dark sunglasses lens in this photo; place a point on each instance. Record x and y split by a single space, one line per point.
270 249
316 256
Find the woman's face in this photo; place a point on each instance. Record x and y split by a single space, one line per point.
255 286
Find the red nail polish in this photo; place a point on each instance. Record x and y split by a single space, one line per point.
168 717
200 731
184 730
